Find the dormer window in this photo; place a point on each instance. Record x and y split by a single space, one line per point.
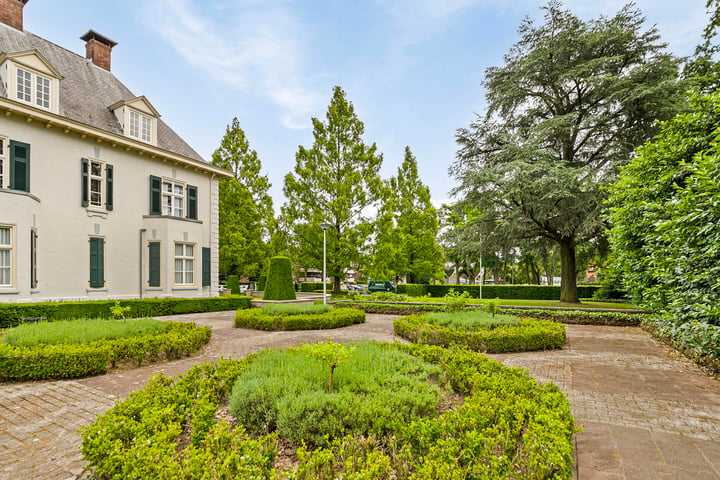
140 126
29 78
138 119
40 95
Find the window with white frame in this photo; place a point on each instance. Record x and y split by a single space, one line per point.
173 198
4 165
97 179
6 256
140 126
184 264
39 95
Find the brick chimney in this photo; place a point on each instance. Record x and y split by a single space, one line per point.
11 13
97 48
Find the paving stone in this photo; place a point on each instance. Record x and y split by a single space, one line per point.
646 412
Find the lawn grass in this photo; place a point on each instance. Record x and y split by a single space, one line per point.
471 320
295 308
80 331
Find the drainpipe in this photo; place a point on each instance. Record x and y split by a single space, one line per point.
142 234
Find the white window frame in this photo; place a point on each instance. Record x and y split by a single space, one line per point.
140 126
4 162
33 88
170 206
99 200
184 264
7 248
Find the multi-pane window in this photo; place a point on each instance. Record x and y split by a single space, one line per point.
24 85
184 264
40 96
140 126
96 183
5 256
173 198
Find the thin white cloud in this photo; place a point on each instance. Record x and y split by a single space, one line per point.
250 45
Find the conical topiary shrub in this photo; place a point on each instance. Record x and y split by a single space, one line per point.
279 285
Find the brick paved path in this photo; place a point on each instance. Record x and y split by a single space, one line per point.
645 412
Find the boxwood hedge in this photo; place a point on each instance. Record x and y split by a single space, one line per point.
257 319
522 292
95 358
11 314
529 335
509 426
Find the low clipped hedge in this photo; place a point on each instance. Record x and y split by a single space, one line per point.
11 314
509 426
529 335
310 287
575 317
81 360
256 319
520 292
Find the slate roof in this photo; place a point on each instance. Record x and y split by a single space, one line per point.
86 90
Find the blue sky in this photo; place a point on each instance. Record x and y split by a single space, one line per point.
412 68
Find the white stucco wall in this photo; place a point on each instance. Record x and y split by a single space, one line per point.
64 226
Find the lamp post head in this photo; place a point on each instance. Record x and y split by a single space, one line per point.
325 226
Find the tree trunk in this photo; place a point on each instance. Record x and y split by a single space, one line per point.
336 285
568 282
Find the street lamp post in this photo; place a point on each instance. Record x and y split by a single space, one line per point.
324 227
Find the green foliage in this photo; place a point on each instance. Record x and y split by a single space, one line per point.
406 229
509 427
233 283
471 319
333 182
262 281
295 308
119 311
333 354
699 341
280 285
246 209
11 314
528 335
455 301
377 391
524 292
79 360
315 286
493 306
536 164
79 331
665 232
255 318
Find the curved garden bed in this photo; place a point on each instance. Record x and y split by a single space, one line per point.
526 336
298 318
74 360
503 425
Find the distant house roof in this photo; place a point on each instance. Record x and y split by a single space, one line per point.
87 91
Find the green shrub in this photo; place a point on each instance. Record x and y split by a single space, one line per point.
528 335
508 427
11 314
295 308
315 287
455 301
699 341
280 285
233 283
522 292
471 319
256 319
377 390
78 360
262 281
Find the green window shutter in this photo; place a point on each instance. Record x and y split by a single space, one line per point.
109 187
155 195
192 202
97 262
33 258
84 176
19 166
206 267
154 263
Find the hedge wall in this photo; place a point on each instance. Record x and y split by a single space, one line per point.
256 319
315 286
11 314
521 292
